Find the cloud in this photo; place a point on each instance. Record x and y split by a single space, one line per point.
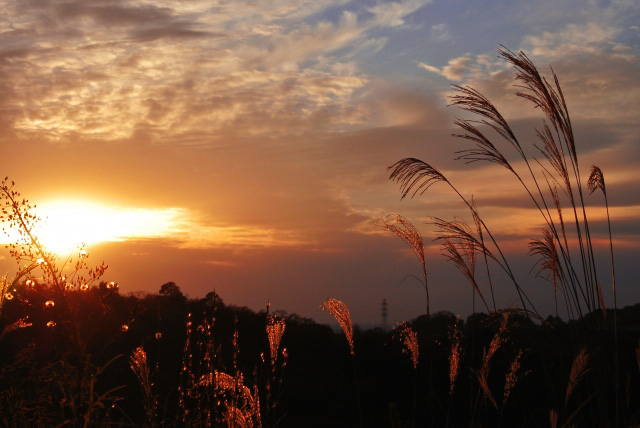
177 71
152 91
192 234
392 14
287 49
429 67
440 33
113 15
465 68
397 105
573 39
457 68
595 70
173 31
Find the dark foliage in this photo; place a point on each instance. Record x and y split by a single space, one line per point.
44 384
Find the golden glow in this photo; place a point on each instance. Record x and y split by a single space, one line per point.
66 224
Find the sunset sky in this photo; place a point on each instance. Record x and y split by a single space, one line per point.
244 146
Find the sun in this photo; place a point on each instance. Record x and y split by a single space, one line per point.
68 224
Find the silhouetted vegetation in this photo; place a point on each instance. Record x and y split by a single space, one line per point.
548 171
44 384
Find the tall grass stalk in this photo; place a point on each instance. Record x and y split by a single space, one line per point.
340 311
138 364
406 231
409 339
552 181
595 182
416 176
275 329
456 355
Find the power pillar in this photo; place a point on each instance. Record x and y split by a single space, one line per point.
385 314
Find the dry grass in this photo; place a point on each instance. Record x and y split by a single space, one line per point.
487 356
414 176
460 247
275 330
406 231
409 339
579 368
139 366
341 313
577 277
455 356
549 174
17 324
512 377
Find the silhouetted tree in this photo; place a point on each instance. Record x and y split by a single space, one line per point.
171 289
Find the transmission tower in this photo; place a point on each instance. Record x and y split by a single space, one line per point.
385 313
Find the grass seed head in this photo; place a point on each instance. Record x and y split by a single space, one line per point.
410 340
455 357
487 355
275 330
512 376
596 180
579 368
235 417
406 231
341 313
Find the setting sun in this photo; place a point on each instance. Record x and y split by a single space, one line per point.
66 224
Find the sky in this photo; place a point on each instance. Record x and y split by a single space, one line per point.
244 146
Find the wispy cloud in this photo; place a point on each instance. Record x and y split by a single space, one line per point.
429 67
393 14
440 33
573 39
111 72
466 68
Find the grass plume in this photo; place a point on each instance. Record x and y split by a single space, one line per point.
406 231
460 246
455 356
487 356
579 368
512 377
139 366
415 176
409 339
275 330
340 311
